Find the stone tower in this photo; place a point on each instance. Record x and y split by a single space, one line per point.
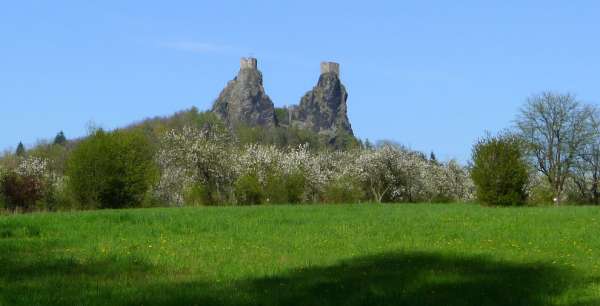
330 67
248 63
244 101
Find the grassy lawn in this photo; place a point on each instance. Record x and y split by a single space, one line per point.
303 255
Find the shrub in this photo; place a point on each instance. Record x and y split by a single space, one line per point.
343 190
196 195
21 192
499 170
112 169
294 187
248 190
27 185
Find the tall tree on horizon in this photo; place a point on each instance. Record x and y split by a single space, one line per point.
60 139
20 149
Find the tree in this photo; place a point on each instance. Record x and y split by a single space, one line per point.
194 157
556 128
432 157
25 185
20 149
499 170
21 192
586 170
112 169
60 139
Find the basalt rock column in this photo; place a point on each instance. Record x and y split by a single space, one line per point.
243 100
324 109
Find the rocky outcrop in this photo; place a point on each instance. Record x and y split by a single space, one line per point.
244 101
324 109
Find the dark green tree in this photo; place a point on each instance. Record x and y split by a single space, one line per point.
500 170
60 139
112 169
20 149
432 157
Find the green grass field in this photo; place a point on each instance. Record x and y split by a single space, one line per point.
401 254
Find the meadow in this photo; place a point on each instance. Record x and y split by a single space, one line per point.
363 254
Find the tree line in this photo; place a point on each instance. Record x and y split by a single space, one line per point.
192 158
550 155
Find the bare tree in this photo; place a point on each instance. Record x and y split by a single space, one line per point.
587 169
556 129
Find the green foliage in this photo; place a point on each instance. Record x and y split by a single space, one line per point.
196 195
210 123
276 189
294 187
500 171
248 190
540 192
55 155
344 141
60 139
344 190
282 115
112 169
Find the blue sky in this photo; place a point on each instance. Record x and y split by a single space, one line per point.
433 75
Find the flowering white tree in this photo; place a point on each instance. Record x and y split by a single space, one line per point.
380 171
265 172
189 157
402 175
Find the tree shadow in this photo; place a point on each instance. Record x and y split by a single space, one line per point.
388 279
38 272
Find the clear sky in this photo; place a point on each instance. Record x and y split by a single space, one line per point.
433 75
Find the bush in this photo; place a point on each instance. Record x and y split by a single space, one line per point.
500 171
343 190
196 195
27 184
248 190
294 187
112 169
21 192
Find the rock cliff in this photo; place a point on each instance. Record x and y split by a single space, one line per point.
324 108
244 101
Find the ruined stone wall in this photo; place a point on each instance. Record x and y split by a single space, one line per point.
248 63
330 67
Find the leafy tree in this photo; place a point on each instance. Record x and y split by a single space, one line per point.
556 129
60 139
500 170
20 149
282 115
112 169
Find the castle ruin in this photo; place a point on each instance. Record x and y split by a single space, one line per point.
330 67
248 63
322 109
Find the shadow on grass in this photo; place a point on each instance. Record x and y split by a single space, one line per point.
26 278
389 279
